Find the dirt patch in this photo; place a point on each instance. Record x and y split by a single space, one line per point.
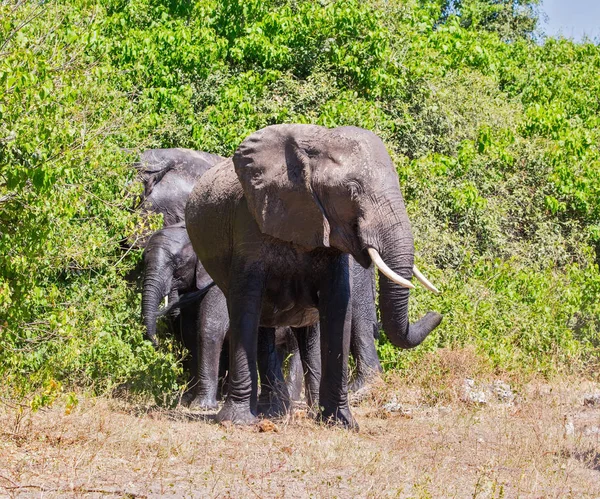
542 444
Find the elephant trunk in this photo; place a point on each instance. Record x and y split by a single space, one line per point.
397 251
153 292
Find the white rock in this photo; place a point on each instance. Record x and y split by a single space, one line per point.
503 391
569 426
472 394
592 399
394 406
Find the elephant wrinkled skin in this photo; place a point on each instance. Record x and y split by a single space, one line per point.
275 227
169 176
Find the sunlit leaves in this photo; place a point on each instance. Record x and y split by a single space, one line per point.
495 140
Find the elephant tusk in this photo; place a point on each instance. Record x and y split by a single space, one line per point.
424 281
385 270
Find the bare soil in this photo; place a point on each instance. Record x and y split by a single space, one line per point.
415 440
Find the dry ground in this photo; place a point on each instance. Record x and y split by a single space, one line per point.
545 444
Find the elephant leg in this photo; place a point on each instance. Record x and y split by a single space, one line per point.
274 398
224 370
185 323
212 324
365 327
309 344
295 371
362 347
362 344
244 303
294 377
335 313
181 327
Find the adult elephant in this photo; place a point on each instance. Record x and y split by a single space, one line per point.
168 176
274 227
171 268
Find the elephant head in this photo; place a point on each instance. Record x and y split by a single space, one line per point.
337 188
170 269
169 176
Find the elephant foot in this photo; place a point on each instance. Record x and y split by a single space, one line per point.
193 400
357 384
187 398
338 416
363 381
271 405
204 403
236 412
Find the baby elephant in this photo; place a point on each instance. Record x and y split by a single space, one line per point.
172 269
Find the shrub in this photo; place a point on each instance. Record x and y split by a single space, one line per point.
495 139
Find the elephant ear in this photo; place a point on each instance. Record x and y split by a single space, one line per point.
275 167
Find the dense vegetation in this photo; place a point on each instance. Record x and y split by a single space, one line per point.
495 135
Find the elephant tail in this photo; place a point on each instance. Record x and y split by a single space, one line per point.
185 300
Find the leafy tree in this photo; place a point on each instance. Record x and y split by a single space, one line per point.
512 19
495 138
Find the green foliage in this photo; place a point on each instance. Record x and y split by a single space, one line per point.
511 19
495 139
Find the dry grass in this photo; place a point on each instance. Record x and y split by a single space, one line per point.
436 446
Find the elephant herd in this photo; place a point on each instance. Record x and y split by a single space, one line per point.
267 255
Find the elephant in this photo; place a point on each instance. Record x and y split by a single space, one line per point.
171 268
168 176
275 226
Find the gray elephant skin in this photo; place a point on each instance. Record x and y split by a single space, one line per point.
172 269
169 176
275 227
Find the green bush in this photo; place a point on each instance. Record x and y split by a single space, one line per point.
495 138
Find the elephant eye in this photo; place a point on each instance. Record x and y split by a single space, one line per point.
354 189
311 152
